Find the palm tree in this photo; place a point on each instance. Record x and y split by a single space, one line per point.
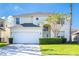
55 21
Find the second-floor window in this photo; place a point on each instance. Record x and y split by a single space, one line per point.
62 21
17 20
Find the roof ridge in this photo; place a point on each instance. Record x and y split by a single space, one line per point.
33 13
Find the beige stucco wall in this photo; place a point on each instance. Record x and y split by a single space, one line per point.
30 18
7 35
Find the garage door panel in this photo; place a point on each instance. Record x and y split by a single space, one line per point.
26 37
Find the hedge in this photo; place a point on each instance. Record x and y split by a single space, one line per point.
52 40
74 42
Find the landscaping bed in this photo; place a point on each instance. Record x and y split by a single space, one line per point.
3 44
60 49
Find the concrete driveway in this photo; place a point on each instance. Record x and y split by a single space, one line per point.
20 49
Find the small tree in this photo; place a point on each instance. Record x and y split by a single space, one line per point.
56 22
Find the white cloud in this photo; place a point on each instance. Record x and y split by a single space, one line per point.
3 17
11 20
17 8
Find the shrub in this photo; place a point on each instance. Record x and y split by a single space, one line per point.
3 44
74 42
64 40
52 40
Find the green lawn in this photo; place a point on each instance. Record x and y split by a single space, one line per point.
3 44
59 49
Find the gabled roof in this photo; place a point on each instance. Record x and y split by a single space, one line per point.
29 25
74 30
34 13
2 28
2 19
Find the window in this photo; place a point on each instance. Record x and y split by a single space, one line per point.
75 39
61 34
37 18
47 36
17 21
62 21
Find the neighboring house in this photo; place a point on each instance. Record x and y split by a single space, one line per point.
4 31
28 28
75 35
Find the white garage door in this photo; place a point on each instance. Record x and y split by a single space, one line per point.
26 37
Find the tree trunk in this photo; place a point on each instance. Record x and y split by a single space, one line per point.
70 40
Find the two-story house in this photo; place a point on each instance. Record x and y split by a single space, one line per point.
28 28
4 31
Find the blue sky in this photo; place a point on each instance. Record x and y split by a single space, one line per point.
7 9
